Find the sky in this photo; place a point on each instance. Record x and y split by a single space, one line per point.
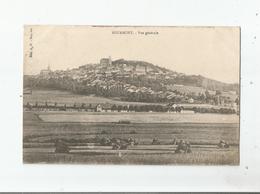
213 52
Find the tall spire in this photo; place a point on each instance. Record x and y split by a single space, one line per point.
110 60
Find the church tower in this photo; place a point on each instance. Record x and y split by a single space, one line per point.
110 61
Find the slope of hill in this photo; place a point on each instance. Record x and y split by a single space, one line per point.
182 79
132 81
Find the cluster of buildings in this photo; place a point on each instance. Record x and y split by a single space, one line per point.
107 68
108 78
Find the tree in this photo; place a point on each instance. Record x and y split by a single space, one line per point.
208 96
125 108
83 105
202 97
119 108
237 101
131 108
137 108
114 107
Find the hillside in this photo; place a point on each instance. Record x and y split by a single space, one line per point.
182 79
138 81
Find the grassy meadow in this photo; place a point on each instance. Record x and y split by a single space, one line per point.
39 138
81 130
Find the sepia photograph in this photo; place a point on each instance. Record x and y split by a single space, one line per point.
131 95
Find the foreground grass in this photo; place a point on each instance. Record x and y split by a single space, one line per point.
195 158
43 134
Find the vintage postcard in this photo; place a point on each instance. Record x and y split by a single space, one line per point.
131 95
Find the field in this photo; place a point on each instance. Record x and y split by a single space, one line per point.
136 117
66 97
198 157
189 89
42 129
82 130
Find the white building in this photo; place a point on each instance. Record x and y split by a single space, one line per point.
45 72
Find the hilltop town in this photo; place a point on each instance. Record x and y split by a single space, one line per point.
129 106
136 81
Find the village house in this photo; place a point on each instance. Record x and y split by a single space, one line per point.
190 100
140 70
106 61
107 108
99 108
